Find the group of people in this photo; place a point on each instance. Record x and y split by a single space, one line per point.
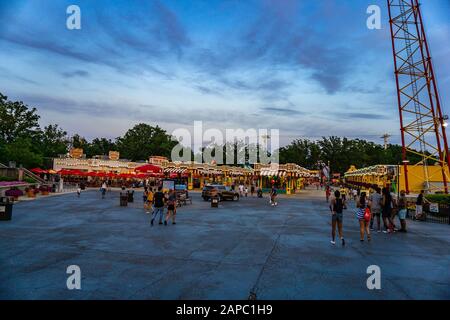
379 206
243 190
155 201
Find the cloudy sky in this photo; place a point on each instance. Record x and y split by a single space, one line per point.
309 68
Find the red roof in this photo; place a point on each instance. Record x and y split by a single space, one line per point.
38 170
149 168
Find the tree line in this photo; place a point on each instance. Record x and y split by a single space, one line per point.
341 153
23 141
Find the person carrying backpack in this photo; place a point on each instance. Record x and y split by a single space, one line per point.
337 207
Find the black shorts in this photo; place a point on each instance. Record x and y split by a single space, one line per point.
386 213
171 207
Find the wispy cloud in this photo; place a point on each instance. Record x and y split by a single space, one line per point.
297 64
75 73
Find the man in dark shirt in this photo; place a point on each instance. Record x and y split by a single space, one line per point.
158 203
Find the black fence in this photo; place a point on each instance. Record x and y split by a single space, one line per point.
443 216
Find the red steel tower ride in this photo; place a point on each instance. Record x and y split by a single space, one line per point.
422 122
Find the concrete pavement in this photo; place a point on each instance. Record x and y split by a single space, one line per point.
278 252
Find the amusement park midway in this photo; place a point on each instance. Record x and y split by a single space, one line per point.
224 150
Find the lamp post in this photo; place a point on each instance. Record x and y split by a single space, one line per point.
405 166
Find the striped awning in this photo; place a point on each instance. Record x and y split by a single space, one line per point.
269 173
174 170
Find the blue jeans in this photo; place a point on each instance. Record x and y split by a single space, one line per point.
155 213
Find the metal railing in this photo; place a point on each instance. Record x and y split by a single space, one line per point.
35 177
443 216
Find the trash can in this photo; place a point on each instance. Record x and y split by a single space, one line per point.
123 199
5 209
130 196
215 202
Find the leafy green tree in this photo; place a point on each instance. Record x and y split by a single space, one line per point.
53 141
302 152
100 146
21 151
78 141
17 120
144 140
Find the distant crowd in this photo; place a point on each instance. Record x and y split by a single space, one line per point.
379 206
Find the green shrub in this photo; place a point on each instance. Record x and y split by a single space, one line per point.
29 180
438 198
2 178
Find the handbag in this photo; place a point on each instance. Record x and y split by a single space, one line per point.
367 215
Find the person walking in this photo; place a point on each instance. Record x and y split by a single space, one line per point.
158 203
386 211
78 190
401 204
273 196
149 201
144 195
171 207
361 206
343 193
252 189
375 208
419 206
337 206
241 189
246 191
103 189
327 193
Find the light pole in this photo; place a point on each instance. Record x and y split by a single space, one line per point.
405 166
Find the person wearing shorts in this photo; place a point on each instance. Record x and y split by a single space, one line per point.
402 211
149 201
337 216
158 202
273 196
361 206
419 206
171 210
375 208
386 211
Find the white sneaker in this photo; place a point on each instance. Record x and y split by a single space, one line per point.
333 242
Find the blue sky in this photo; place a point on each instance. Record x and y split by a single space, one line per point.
308 68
